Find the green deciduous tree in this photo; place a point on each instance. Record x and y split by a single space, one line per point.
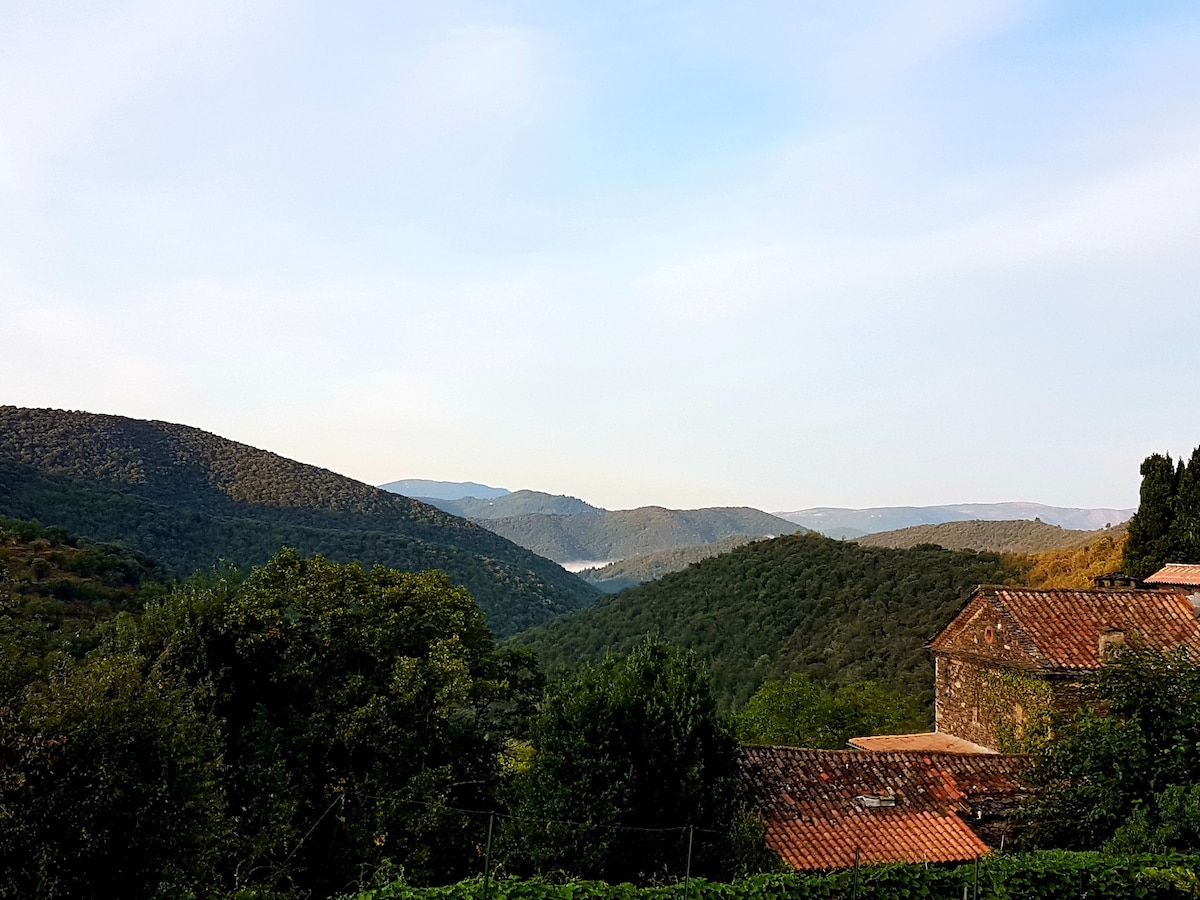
634 742
109 786
1125 772
800 712
357 708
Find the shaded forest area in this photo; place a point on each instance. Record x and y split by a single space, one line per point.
190 499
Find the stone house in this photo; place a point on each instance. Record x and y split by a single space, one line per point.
1013 655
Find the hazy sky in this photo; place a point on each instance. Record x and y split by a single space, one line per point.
683 253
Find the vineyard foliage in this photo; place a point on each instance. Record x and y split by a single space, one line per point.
1032 876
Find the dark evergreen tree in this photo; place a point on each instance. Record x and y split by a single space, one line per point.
1149 544
1184 534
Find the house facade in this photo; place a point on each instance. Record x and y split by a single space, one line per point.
1013 656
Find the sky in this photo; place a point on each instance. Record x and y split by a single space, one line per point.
688 254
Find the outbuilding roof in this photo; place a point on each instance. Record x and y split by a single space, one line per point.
923 742
822 807
1061 629
1176 574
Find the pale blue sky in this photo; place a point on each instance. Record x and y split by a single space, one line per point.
690 254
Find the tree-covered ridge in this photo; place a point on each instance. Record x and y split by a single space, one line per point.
624 533
1014 536
835 611
190 498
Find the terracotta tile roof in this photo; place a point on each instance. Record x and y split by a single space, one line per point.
1180 574
810 802
926 742
1061 629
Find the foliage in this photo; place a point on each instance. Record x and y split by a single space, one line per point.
799 712
1020 706
1153 536
1124 771
57 592
108 786
358 708
1075 568
1030 876
633 743
190 499
833 610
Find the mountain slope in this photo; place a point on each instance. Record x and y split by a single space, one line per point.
801 603
1021 536
626 533
56 589
190 498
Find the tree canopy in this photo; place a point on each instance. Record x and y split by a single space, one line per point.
1123 773
631 753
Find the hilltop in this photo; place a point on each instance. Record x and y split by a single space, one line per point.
1020 536
835 610
190 499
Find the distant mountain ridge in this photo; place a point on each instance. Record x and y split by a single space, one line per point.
425 489
625 533
515 503
190 499
840 522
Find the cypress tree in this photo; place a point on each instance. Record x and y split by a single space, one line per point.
1149 530
1184 534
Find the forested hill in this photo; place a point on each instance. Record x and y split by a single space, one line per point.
835 610
190 498
624 533
1018 536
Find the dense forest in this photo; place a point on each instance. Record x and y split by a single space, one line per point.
190 499
833 610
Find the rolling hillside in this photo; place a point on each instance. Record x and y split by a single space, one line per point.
625 533
55 589
1020 536
835 610
190 498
